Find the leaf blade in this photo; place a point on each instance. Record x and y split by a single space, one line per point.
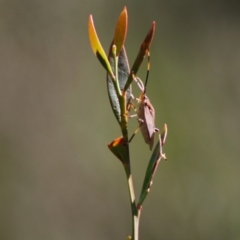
97 47
121 30
141 54
123 74
120 149
154 161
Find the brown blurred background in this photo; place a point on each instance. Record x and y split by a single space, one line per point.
58 180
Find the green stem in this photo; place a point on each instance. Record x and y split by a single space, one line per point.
115 80
135 218
124 119
121 96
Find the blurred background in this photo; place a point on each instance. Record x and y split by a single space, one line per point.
58 180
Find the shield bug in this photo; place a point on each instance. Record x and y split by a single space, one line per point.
146 113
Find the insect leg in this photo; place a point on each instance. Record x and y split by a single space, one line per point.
161 154
135 132
131 116
139 82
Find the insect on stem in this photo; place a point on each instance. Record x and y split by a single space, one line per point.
145 112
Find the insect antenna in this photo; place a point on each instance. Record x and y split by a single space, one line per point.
148 71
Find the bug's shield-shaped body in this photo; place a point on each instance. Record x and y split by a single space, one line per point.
146 118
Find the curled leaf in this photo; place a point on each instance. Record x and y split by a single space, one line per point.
120 148
164 134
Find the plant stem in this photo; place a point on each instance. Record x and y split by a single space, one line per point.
115 79
135 218
124 129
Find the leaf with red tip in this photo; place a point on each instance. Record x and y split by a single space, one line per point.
141 54
120 149
97 47
122 67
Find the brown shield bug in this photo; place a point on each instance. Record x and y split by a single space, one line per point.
146 113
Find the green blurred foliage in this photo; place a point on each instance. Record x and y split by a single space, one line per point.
58 178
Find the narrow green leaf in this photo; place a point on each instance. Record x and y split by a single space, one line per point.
141 54
120 149
156 157
121 30
123 73
97 47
